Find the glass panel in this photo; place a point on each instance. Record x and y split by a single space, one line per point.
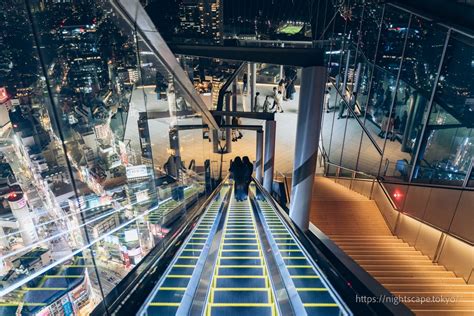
392 38
422 54
447 149
455 90
378 107
471 180
370 31
369 157
351 142
447 156
99 167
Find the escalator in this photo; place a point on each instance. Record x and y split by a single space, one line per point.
314 291
240 284
169 293
241 259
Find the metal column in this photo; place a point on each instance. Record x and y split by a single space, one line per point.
346 75
228 121
259 156
253 86
234 95
308 129
215 141
281 72
269 162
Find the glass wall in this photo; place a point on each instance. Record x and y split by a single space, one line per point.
98 167
406 94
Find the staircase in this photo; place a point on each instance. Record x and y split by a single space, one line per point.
356 225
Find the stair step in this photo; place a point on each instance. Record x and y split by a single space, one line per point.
402 267
438 305
445 294
450 288
370 261
420 280
390 256
383 252
369 237
237 310
395 246
436 312
411 273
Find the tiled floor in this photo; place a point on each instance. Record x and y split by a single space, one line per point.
193 147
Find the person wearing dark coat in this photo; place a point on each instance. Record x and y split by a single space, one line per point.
237 170
248 170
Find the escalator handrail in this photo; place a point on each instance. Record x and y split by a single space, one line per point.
126 294
336 271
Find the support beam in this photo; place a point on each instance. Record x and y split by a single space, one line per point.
228 121
234 95
292 56
253 86
215 141
259 156
267 116
308 129
269 162
136 16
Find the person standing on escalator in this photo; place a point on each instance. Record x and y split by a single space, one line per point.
248 170
237 171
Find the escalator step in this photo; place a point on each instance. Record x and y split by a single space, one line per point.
186 261
301 271
320 296
172 296
239 296
182 271
291 253
191 253
240 261
307 282
249 310
162 310
287 246
240 240
252 253
240 246
237 235
323 310
193 247
291 262
240 282
176 282
240 271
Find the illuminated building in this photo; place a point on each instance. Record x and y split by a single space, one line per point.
22 213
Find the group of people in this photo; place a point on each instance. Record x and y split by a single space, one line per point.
241 170
393 125
284 91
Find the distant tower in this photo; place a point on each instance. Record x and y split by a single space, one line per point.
211 15
22 214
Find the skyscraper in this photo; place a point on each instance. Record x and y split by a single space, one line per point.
203 18
211 17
